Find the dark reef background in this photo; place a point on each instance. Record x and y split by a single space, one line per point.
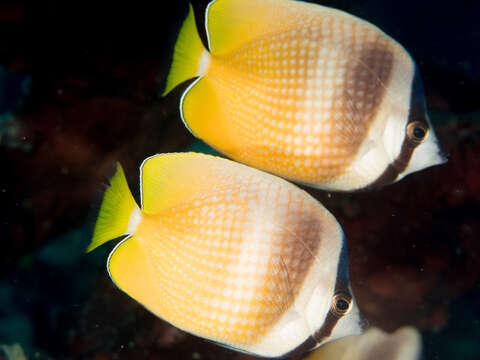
79 90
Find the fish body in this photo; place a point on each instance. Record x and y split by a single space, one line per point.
403 344
230 254
303 91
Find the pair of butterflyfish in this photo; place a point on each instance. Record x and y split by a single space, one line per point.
231 254
236 255
303 91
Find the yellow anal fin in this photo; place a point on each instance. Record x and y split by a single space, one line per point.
171 179
190 58
233 23
202 111
129 269
118 213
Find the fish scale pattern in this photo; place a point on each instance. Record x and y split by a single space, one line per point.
302 100
230 261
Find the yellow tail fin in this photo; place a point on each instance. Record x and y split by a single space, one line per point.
190 58
118 213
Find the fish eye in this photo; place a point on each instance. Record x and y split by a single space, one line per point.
416 131
341 304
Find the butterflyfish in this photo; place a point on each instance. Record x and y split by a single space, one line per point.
303 91
403 344
230 254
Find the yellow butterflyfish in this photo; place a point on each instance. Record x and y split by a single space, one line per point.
303 91
231 254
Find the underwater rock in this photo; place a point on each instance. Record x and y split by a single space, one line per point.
403 344
50 189
13 90
12 352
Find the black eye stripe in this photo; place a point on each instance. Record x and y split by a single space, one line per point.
341 287
417 114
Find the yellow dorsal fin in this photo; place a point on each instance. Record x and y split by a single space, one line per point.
170 179
118 213
232 23
190 58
